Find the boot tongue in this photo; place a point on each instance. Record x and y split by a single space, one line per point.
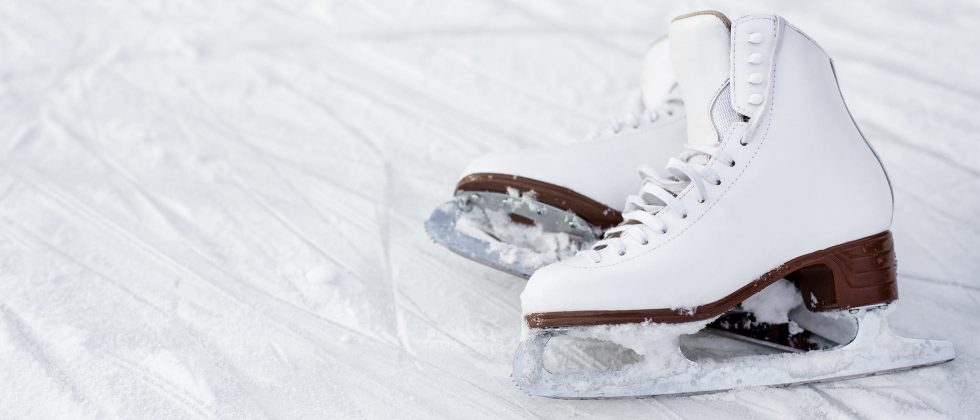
658 74
700 50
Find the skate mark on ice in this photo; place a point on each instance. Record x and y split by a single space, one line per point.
24 338
138 237
602 42
290 327
890 393
927 279
167 389
34 236
113 165
892 137
908 73
431 324
848 411
277 172
407 98
961 222
662 407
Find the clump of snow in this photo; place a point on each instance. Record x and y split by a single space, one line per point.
795 328
547 246
772 304
686 310
528 199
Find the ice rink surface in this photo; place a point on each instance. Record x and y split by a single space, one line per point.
215 210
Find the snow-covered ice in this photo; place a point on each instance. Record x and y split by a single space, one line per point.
214 209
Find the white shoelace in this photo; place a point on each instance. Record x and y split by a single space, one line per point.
672 104
641 216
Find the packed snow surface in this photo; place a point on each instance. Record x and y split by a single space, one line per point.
214 210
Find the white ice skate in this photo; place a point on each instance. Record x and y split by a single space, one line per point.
517 211
776 181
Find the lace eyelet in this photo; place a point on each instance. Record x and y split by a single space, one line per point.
742 143
718 182
663 231
731 164
622 253
645 243
701 200
684 216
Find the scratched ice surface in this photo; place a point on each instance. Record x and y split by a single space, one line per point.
215 210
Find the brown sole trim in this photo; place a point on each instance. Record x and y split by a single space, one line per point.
591 211
849 275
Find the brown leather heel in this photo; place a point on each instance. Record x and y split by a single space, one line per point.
860 273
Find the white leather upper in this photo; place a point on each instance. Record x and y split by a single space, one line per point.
700 55
605 170
807 180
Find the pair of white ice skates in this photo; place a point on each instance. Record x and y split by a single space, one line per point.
770 179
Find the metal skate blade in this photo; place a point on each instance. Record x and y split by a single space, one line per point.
461 226
873 349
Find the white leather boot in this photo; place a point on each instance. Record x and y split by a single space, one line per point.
520 210
776 181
